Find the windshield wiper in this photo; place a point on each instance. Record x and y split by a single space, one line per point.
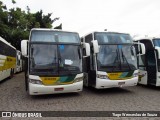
116 59
124 58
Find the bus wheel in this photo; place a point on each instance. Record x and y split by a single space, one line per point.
26 85
26 82
85 80
11 73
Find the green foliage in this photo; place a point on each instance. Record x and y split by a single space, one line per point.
13 1
15 24
58 27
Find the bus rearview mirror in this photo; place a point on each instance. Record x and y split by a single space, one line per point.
86 47
140 49
24 44
95 46
19 57
143 50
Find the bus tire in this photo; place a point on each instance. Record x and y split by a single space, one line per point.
26 85
85 80
11 73
26 82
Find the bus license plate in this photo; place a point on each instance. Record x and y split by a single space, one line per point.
121 83
58 89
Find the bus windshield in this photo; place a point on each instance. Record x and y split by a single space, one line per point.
54 36
70 59
116 58
44 58
156 42
49 59
112 38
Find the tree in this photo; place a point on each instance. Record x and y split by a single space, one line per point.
58 27
15 24
3 20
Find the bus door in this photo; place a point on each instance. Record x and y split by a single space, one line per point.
151 67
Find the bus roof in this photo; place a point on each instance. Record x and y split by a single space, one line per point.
4 41
51 29
104 32
145 38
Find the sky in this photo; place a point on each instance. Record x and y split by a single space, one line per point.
137 17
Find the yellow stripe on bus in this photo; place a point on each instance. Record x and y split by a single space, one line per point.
49 80
9 62
116 76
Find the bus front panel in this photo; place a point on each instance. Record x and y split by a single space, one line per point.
51 85
116 79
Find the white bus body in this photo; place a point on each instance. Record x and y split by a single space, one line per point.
149 63
54 60
7 59
112 61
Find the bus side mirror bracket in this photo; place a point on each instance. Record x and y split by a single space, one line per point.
95 46
24 44
158 51
86 48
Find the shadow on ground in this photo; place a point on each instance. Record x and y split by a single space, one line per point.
56 96
5 80
149 87
107 90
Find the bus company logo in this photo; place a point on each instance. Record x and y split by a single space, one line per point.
6 114
52 78
113 74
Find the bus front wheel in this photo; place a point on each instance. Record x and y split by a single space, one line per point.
26 82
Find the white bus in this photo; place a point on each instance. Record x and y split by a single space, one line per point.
112 61
7 59
19 62
149 63
54 60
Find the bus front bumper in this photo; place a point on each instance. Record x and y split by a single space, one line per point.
36 89
106 83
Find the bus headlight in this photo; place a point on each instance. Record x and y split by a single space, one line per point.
78 79
35 81
102 76
135 74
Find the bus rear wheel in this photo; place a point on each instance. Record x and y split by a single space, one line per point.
11 73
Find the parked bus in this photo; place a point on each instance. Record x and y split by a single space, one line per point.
54 60
149 63
7 59
112 61
19 62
